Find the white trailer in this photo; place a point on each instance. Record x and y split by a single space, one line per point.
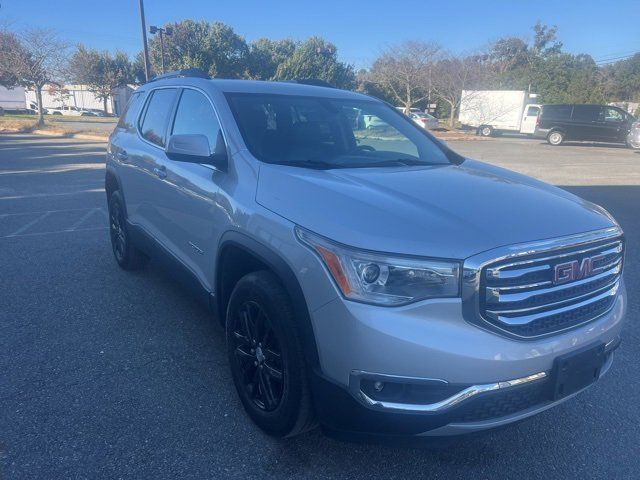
495 111
13 99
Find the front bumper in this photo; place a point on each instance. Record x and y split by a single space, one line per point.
342 414
541 132
431 343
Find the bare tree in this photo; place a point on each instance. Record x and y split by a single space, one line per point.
454 74
405 72
40 61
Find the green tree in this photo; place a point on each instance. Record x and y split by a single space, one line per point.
266 55
212 47
101 71
316 58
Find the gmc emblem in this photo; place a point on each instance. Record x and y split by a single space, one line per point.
576 270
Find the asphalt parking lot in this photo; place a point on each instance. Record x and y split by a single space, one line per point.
108 374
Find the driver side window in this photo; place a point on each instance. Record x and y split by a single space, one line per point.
195 115
613 115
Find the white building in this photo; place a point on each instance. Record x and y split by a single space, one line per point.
80 96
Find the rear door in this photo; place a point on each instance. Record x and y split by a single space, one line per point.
529 119
145 179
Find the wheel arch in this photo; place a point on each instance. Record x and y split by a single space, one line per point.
239 254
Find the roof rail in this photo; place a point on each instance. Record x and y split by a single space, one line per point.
316 82
187 72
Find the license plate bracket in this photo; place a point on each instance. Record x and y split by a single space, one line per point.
578 369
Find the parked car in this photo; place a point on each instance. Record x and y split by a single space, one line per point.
425 120
411 110
598 123
372 121
70 111
633 140
364 283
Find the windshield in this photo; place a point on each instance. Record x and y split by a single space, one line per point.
330 133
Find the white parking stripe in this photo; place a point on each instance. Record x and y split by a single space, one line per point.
29 225
82 219
54 233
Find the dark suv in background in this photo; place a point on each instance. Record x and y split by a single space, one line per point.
597 123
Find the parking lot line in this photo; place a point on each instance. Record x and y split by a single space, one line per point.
29 225
82 219
54 232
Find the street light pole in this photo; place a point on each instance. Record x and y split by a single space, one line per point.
145 48
168 31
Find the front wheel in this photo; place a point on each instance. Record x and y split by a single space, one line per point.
486 131
265 355
555 138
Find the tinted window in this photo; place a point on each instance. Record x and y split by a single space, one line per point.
156 117
330 133
613 115
557 112
128 118
195 115
586 113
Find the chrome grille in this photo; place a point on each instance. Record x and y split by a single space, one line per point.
530 295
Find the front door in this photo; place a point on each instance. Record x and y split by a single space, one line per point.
613 124
529 119
189 205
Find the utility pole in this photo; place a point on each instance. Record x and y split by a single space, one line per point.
145 48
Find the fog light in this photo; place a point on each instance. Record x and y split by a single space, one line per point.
378 386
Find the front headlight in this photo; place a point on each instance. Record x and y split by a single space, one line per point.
383 279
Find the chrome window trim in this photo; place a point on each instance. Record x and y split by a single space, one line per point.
472 268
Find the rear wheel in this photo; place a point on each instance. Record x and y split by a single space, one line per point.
555 138
486 130
265 356
125 253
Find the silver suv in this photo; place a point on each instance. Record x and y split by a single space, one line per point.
368 278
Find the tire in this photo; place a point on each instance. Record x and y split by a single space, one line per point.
57 113
485 131
126 254
265 356
555 138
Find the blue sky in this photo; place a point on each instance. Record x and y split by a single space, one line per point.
358 28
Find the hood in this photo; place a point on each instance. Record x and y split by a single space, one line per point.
449 211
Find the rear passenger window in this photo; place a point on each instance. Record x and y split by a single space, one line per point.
557 112
128 117
195 115
586 113
156 117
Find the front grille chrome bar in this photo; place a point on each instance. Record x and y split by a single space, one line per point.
539 289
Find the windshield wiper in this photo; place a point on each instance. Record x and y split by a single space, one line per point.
402 162
317 164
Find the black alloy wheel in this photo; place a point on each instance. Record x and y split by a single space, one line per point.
258 356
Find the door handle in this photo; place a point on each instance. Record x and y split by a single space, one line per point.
161 172
122 155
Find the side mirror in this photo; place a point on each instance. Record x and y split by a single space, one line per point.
195 148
